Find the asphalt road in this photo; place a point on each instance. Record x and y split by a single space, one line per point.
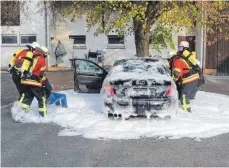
37 145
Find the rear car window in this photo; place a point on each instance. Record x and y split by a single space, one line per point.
119 62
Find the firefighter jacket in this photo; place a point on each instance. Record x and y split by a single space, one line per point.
36 70
181 70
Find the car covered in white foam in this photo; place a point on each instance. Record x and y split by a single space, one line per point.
138 87
133 87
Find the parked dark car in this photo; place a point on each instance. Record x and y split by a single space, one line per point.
133 87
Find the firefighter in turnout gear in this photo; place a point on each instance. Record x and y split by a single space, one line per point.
185 75
34 78
15 64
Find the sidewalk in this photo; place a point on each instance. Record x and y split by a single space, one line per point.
216 84
62 80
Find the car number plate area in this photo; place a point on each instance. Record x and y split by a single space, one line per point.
142 102
139 92
147 102
142 92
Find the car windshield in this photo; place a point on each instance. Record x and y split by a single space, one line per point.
139 66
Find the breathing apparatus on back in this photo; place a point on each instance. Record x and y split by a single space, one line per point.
28 59
185 52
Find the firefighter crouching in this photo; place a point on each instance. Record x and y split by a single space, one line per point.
34 78
15 64
185 73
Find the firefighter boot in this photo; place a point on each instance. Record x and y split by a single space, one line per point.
42 107
185 104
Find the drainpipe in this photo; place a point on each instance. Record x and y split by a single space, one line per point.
46 29
204 47
203 39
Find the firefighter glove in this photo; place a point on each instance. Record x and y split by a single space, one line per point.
25 75
10 69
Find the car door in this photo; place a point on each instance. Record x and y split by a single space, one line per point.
88 76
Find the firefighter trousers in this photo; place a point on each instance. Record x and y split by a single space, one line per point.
195 86
200 82
186 93
20 88
39 94
47 88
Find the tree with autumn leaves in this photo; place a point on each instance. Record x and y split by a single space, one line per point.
148 21
153 21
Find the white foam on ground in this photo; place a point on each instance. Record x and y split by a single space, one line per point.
209 117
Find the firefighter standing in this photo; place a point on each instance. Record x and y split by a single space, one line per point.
34 78
185 75
15 64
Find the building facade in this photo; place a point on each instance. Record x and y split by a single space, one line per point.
25 30
75 38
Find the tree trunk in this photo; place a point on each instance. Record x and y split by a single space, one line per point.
142 38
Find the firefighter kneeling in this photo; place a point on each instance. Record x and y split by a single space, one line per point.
186 76
34 78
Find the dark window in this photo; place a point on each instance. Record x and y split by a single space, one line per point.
161 70
79 39
9 39
28 39
115 39
189 39
10 13
119 62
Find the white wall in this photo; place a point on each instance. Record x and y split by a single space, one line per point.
199 45
100 42
93 43
27 27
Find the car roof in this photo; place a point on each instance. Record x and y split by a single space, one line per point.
139 58
148 60
118 72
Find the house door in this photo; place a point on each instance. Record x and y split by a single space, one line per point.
223 52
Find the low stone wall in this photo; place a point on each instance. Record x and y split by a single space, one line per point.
210 71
